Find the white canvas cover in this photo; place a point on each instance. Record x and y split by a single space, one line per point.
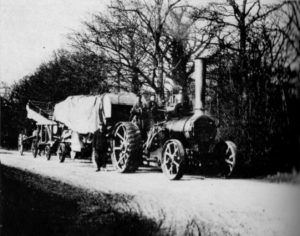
83 113
40 120
79 113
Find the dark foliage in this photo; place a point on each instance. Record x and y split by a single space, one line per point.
66 74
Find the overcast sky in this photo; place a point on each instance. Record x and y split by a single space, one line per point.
31 29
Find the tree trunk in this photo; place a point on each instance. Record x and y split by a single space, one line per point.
135 83
161 78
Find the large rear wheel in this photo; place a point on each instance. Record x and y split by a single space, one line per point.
173 157
126 147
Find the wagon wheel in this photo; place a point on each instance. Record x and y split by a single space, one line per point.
229 155
62 152
34 149
48 152
173 157
126 147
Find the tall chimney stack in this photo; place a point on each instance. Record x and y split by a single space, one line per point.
199 76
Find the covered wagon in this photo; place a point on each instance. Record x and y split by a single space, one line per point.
83 114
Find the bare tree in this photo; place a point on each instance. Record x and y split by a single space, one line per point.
118 43
152 18
254 47
188 38
291 29
132 37
237 19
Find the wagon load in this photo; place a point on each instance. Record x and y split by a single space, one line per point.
83 113
37 117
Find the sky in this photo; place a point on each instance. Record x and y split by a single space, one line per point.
30 30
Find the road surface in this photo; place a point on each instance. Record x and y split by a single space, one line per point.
194 204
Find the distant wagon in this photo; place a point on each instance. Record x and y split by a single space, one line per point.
44 140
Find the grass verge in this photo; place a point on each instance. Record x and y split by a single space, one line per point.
36 205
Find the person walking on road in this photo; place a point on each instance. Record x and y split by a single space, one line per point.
100 148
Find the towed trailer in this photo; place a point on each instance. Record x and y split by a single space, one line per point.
45 138
82 114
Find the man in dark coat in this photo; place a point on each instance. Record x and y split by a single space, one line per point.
152 108
138 111
138 115
100 148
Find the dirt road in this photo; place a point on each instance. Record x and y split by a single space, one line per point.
194 204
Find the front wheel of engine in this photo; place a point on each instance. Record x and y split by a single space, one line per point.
227 151
126 147
173 157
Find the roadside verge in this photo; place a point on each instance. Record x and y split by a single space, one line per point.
36 205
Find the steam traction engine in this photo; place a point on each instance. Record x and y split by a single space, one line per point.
175 144
186 138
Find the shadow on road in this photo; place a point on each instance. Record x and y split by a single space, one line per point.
35 205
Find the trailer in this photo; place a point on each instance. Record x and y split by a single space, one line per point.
45 137
82 114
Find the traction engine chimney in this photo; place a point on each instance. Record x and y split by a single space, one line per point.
199 75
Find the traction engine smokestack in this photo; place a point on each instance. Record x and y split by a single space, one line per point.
199 75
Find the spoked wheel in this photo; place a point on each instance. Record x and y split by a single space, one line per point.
173 157
48 152
34 149
126 147
230 158
62 152
227 151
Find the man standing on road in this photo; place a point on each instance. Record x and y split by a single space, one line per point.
21 141
100 148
